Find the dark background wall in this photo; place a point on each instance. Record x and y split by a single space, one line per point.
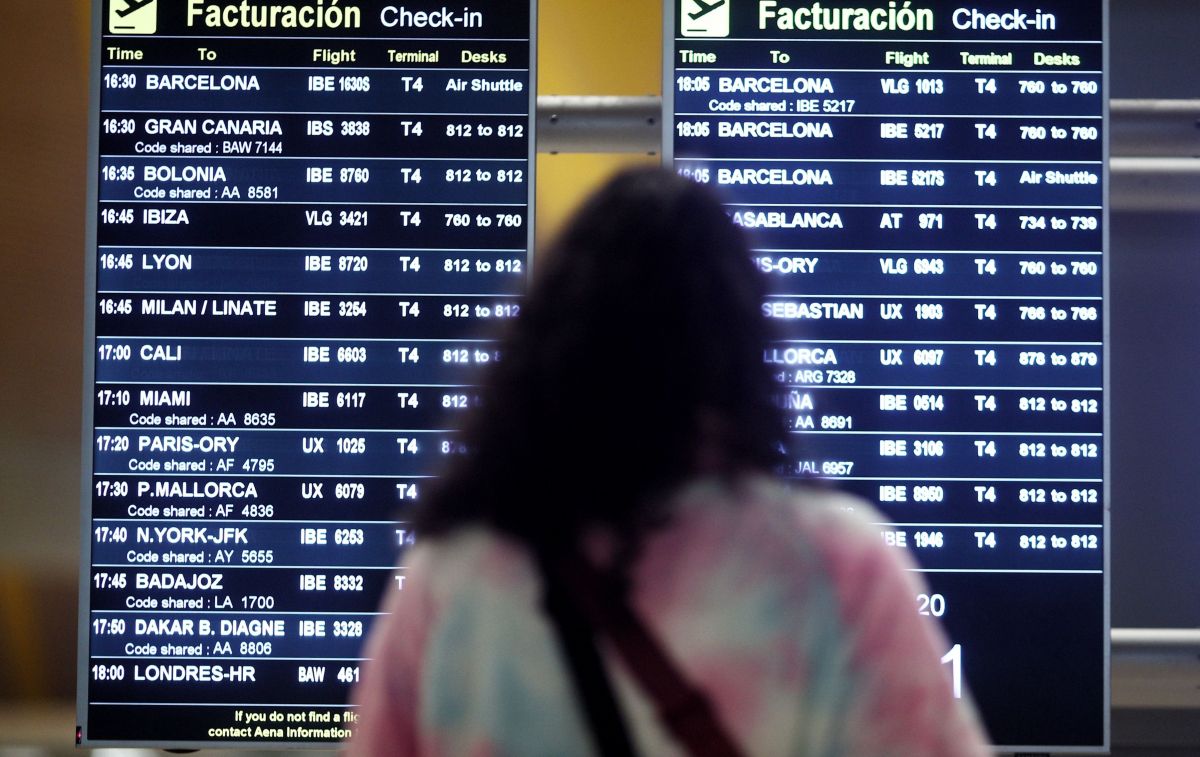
1155 48
1155 321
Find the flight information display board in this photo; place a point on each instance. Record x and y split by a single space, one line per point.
308 217
924 183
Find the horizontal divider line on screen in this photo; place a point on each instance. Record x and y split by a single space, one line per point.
948 206
767 116
1001 570
355 38
473 204
243 112
308 249
950 388
968 480
357 159
992 525
327 69
368 159
927 341
256 474
904 71
255 566
230 612
923 40
225 657
197 293
923 297
263 705
289 338
877 160
285 383
1030 434
903 252
259 522
292 429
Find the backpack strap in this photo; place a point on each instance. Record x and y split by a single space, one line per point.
609 730
683 709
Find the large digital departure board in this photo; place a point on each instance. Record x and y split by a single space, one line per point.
308 216
924 184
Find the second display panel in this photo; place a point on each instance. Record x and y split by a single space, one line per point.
924 185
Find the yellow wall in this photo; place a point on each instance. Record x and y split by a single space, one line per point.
592 47
43 148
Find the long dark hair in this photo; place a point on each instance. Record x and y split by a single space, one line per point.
635 364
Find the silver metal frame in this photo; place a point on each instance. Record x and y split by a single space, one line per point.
1105 379
668 108
531 171
666 132
1106 376
1166 128
87 436
89 386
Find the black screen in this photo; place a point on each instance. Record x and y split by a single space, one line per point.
924 185
310 217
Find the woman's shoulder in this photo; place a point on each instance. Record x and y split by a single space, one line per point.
468 556
781 532
780 509
760 523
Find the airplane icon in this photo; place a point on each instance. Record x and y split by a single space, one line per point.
704 18
134 5
705 8
133 16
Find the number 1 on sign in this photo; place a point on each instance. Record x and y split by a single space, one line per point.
954 659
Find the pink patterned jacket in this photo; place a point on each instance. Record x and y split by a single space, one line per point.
786 608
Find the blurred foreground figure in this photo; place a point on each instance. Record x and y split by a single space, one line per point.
619 477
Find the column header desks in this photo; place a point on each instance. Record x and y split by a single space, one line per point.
915 56
317 52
